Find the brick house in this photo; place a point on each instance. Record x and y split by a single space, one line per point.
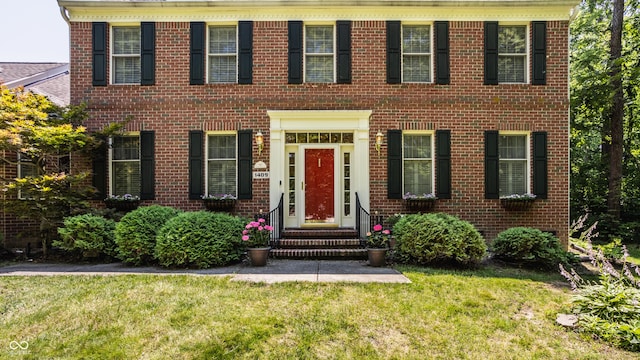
330 103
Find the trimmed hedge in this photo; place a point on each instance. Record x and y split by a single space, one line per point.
531 247
136 233
200 239
87 234
438 238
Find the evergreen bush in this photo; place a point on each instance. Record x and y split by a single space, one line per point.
89 235
437 238
530 247
200 239
136 233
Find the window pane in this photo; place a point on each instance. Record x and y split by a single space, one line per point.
126 40
319 40
511 68
222 40
513 147
127 70
417 146
512 49
416 68
319 69
417 177
222 69
126 147
222 147
512 39
513 177
126 178
416 39
222 177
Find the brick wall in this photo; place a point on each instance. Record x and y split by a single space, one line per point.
172 107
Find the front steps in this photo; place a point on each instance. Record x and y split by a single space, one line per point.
312 244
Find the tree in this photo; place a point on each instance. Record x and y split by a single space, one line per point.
41 136
617 111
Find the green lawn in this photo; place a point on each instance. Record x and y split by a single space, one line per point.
492 313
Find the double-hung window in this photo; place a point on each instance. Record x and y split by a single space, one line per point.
418 163
221 164
319 53
514 173
223 54
126 55
416 53
512 53
125 165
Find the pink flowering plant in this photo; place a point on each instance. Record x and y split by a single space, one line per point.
378 238
257 233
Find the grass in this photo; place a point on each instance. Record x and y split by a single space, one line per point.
495 313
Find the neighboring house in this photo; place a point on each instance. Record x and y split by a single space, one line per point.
52 81
470 97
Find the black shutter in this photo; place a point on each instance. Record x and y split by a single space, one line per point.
244 164
491 165
99 53
442 52
394 164
295 52
540 185
148 53
196 164
344 51
443 164
196 59
394 52
147 165
491 53
245 52
539 53
99 176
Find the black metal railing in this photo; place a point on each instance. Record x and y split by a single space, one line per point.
363 222
275 218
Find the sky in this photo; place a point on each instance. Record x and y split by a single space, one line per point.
33 31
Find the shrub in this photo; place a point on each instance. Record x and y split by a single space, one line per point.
201 239
88 234
437 237
530 247
136 233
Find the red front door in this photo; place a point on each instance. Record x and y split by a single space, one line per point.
319 185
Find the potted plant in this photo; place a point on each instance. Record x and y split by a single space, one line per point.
517 202
219 202
126 202
423 203
377 245
256 236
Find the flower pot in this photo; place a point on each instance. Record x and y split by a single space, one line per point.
377 257
516 205
258 256
422 205
121 205
220 205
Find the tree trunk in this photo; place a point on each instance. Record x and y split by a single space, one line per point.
617 112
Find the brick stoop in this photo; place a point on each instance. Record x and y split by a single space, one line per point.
333 244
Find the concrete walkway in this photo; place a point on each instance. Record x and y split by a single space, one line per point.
275 271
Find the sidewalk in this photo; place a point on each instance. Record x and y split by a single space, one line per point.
275 271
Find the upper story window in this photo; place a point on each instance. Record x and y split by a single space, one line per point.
319 53
514 173
126 55
221 164
417 163
416 53
125 165
222 54
512 54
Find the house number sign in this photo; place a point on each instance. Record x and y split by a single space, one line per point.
260 174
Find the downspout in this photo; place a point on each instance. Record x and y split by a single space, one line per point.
65 17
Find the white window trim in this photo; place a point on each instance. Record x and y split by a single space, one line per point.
431 56
527 56
333 55
209 55
206 158
527 141
432 134
110 158
112 56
